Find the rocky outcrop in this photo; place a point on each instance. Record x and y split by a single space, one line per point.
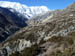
18 46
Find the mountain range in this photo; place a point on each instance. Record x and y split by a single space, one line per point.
23 9
49 34
14 15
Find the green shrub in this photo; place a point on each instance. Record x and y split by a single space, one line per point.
15 54
56 39
31 51
70 40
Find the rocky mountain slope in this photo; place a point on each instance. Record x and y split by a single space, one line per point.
9 23
23 9
16 18
53 37
40 18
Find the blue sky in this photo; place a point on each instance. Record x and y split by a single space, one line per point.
51 4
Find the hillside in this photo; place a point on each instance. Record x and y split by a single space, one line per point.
52 37
9 23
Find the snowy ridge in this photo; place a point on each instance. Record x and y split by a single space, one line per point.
23 9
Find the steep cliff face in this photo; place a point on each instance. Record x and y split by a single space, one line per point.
54 36
9 23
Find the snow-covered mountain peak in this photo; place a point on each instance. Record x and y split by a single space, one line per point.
11 4
23 9
39 9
